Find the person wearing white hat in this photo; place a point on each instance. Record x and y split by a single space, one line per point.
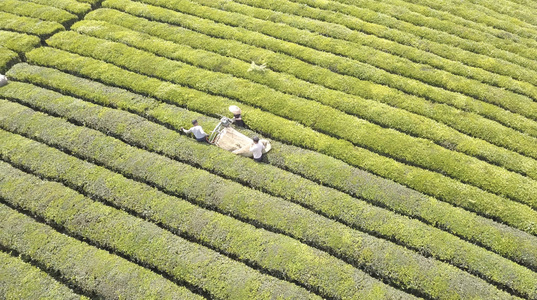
237 119
198 132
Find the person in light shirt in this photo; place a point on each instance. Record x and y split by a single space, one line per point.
198 132
257 149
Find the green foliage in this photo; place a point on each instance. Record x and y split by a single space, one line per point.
7 59
380 114
72 6
38 11
439 26
93 270
314 166
374 28
483 17
421 180
388 142
280 253
140 241
372 51
301 43
18 42
29 25
19 280
228 45
392 260
433 242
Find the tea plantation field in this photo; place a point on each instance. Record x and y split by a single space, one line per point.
404 159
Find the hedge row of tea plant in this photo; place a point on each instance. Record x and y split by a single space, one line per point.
281 255
348 58
429 49
141 241
18 42
96 272
385 115
72 6
8 58
489 18
275 253
37 11
392 261
513 9
491 32
322 118
510 243
316 74
379 114
500 36
469 123
437 185
242 241
411 22
450 28
27 25
372 52
21 280
282 184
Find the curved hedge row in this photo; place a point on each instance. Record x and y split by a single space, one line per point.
371 52
515 214
478 14
322 118
37 11
415 23
386 116
469 123
493 31
401 44
514 9
317 74
438 244
7 59
18 42
302 43
19 280
508 242
501 36
275 253
32 26
447 26
72 6
380 257
142 241
93 270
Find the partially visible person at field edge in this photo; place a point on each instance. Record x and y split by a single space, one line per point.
237 118
257 149
198 132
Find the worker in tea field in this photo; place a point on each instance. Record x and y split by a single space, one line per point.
198 132
3 80
257 149
237 119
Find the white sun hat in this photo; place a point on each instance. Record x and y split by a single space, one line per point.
234 109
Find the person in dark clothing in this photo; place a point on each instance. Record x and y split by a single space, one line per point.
237 118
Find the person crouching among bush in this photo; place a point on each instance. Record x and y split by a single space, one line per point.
257 149
198 132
